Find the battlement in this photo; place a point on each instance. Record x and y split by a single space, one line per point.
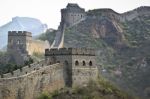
25 70
73 7
19 33
70 51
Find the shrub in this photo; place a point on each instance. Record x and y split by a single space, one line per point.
44 96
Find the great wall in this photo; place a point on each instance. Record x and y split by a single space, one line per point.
32 84
62 67
21 45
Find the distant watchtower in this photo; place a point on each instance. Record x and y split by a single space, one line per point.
79 64
17 45
72 14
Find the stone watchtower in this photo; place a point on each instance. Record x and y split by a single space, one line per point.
79 64
72 14
17 45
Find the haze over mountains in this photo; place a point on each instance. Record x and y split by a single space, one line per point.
21 24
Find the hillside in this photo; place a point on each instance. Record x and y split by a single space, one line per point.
100 89
122 43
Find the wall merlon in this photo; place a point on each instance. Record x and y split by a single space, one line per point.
25 70
72 7
19 33
8 75
16 72
70 51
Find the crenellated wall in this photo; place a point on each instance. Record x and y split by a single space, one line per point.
79 64
31 85
19 33
72 14
21 45
4 59
25 70
61 67
70 51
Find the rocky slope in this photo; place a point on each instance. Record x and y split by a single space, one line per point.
21 24
122 44
100 89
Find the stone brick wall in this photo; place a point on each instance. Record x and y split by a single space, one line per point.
79 64
71 14
4 59
61 67
22 40
81 76
83 69
21 44
37 46
25 70
18 38
70 51
31 85
19 33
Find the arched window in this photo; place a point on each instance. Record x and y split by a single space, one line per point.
43 72
76 63
54 59
18 42
11 41
90 63
84 63
66 62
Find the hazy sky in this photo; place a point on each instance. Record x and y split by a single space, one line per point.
48 11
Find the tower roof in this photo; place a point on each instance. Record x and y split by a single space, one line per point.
73 7
70 5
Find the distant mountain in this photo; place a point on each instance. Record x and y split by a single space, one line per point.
21 24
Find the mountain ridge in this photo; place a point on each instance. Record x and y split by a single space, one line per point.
126 16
